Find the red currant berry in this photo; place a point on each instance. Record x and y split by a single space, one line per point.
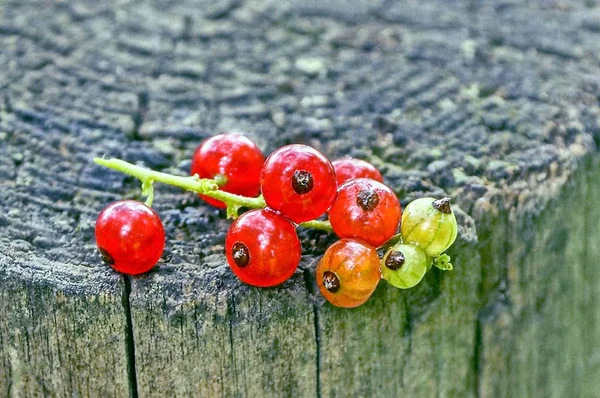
298 181
262 248
348 273
234 157
349 168
130 237
365 209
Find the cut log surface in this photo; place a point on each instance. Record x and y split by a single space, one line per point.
495 103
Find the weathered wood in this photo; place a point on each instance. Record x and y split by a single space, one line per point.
62 330
494 103
221 338
535 333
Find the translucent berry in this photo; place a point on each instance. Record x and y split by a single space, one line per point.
404 265
130 237
349 168
262 248
348 273
298 181
429 224
365 209
233 156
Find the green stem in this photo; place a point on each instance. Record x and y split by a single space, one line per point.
318 224
148 191
202 186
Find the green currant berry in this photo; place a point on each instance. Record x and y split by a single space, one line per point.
404 265
429 224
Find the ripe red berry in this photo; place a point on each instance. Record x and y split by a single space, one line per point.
233 156
298 181
349 168
262 248
130 237
365 209
348 273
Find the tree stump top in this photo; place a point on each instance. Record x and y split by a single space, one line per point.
460 99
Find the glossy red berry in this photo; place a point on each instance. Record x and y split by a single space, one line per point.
298 181
233 156
365 209
130 237
349 168
348 273
262 248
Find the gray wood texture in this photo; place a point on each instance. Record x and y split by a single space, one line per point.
494 103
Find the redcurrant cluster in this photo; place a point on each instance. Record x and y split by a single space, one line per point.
298 185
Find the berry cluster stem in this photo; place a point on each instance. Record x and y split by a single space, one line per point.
318 224
204 186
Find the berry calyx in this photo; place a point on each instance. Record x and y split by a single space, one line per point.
262 248
429 224
302 182
240 254
443 262
395 260
298 181
365 209
443 205
348 273
404 265
331 282
130 237
232 158
349 168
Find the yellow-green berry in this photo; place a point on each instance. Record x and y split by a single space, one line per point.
429 224
404 265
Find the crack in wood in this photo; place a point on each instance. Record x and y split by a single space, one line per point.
310 286
230 322
186 30
477 359
407 336
129 339
143 101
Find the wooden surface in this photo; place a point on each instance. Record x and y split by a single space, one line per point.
493 103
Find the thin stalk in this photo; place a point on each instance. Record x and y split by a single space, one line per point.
318 224
204 186
148 191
